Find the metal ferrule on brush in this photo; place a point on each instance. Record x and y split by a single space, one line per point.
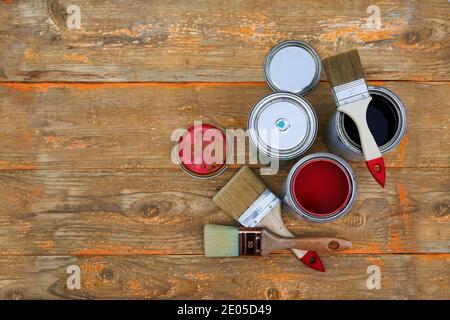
350 92
259 208
249 242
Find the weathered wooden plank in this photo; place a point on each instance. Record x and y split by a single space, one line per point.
95 126
211 41
163 212
191 277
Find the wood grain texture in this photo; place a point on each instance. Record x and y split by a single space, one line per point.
86 177
403 276
210 41
122 126
163 212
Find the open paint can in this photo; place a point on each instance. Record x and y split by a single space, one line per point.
203 150
320 187
283 125
386 118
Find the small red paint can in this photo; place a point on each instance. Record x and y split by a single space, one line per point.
203 150
320 187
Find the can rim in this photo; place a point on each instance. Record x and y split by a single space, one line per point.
322 218
302 146
296 43
224 166
399 108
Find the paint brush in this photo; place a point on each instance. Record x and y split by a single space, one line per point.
247 200
346 76
227 241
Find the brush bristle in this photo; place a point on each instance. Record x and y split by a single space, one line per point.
343 67
239 193
221 241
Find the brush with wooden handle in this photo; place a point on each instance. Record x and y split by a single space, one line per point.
346 76
246 199
226 241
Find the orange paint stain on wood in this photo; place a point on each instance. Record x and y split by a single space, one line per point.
92 267
47 245
398 238
28 87
53 140
43 87
375 260
28 54
402 198
395 244
90 271
23 228
376 83
401 151
434 257
76 57
7 165
137 289
341 29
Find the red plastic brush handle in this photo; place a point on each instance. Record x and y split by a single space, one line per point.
312 260
377 169
374 160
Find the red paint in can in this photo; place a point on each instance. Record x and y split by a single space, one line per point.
194 146
321 187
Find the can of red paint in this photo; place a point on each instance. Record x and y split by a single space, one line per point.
387 120
203 150
283 125
320 187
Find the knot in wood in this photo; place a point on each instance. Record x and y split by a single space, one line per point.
107 274
412 37
273 294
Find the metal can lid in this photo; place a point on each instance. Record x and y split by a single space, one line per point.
192 144
282 125
292 66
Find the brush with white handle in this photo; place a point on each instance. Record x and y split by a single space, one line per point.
346 76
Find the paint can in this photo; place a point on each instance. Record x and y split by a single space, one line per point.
203 150
283 125
387 120
320 187
292 66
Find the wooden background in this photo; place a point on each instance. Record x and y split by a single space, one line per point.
85 171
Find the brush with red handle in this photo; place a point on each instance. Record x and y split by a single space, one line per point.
246 199
227 241
346 76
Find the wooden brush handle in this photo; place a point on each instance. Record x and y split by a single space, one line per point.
357 112
328 244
